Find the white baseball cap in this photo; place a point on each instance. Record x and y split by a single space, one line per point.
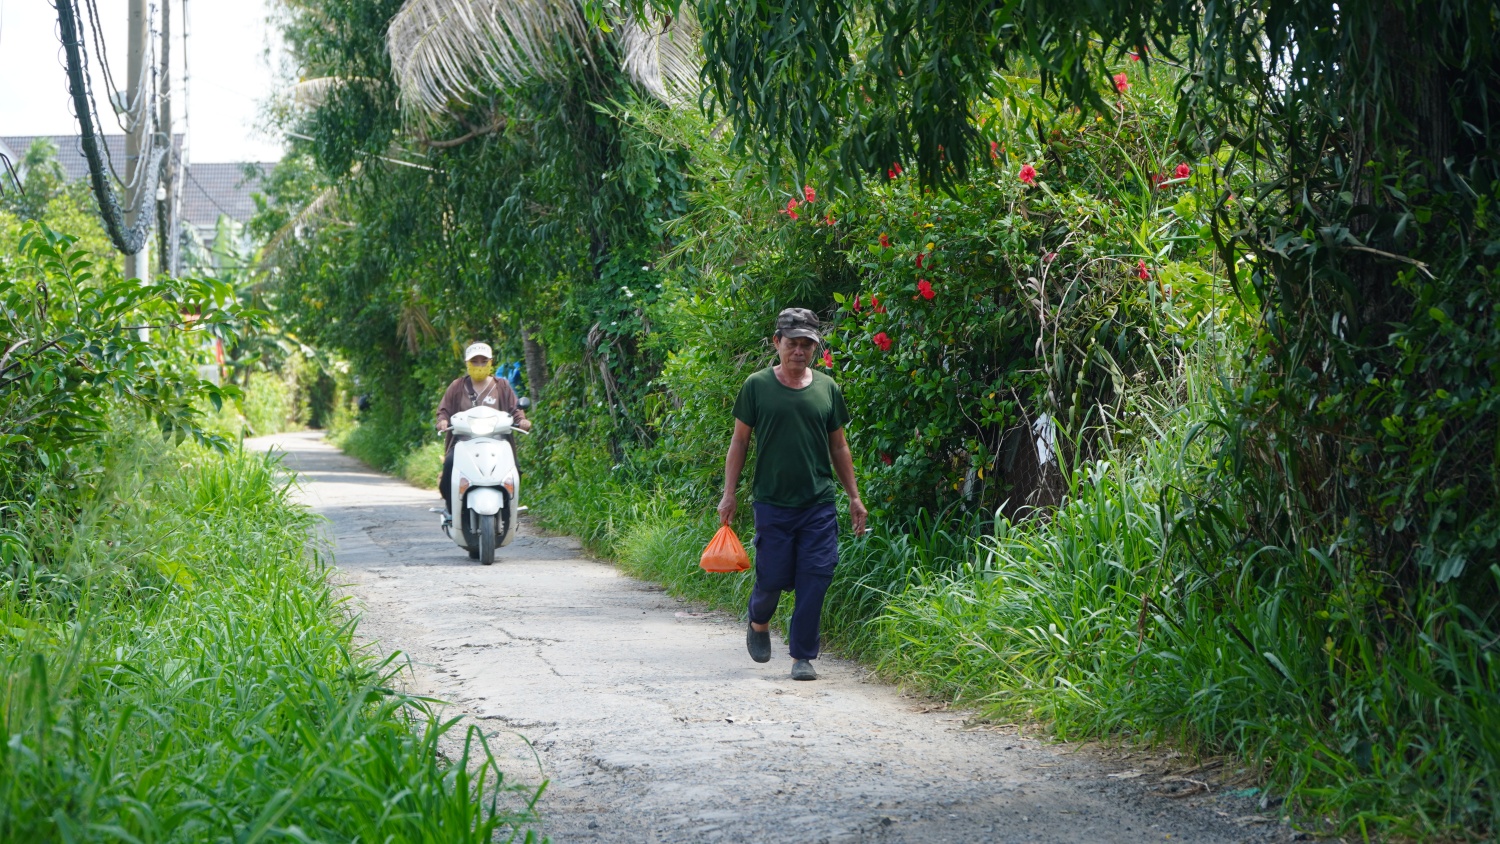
478 349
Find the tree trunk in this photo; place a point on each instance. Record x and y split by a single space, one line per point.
536 361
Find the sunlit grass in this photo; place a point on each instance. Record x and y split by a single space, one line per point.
180 670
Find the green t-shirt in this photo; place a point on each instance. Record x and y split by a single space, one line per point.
792 466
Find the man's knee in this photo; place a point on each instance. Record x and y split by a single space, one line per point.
774 576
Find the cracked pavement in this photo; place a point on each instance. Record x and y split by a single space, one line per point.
651 724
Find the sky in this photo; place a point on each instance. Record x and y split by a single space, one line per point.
231 54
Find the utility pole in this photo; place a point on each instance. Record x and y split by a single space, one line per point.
137 121
166 203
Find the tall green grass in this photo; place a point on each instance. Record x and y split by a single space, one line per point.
1099 620
175 667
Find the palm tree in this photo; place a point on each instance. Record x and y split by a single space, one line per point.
443 51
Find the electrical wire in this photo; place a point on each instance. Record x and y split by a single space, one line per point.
222 209
10 168
128 239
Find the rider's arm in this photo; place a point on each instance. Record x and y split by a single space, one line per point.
734 464
447 407
843 466
508 396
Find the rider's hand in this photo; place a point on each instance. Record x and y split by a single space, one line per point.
727 506
858 515
443 425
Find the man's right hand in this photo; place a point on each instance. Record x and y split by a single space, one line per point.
727 506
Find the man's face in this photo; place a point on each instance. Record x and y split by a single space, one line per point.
796 352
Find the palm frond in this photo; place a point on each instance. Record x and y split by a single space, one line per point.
320 204
312 93
442 50
664 57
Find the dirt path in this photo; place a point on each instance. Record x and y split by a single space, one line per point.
652 724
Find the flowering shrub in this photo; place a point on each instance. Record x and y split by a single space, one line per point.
980 311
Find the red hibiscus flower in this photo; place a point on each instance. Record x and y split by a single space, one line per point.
919 260
882 341
924 287
994 149
890 174
885 241
896 168
791 209
856 304
828 218
1182 171
828 358
1156 179
1028 174
1135 57
810 194
1050 257
875 305
886 458
1122 83
1142 273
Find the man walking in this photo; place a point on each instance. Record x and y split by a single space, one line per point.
798 418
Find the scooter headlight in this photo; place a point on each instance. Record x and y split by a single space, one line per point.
482 427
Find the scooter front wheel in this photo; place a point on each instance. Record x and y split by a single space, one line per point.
487 539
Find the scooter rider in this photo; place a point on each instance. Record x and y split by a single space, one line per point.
480 387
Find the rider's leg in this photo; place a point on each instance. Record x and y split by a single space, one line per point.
445 481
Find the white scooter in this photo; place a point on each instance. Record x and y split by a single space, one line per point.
485 494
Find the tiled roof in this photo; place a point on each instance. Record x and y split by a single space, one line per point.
214 189
208 191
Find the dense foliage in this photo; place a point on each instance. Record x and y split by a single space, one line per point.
1196 297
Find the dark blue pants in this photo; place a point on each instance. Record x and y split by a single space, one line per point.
796 549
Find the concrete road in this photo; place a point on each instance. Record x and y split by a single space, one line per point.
651 724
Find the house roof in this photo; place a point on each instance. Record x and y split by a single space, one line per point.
209 189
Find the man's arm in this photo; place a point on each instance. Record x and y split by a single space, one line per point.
843 466
734 464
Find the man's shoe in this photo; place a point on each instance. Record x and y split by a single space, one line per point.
758 643
802 670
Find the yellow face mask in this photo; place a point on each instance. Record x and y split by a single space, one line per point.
479 373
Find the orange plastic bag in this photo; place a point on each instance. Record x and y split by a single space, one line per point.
724 553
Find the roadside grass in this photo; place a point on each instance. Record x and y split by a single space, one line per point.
422 466
174 666
1098 620
372 445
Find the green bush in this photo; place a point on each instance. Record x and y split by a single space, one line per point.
76 349
268 405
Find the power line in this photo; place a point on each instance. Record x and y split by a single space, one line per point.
128 240
222 209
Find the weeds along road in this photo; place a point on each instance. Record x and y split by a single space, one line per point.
652 724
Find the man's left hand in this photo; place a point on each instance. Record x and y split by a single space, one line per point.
858 515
